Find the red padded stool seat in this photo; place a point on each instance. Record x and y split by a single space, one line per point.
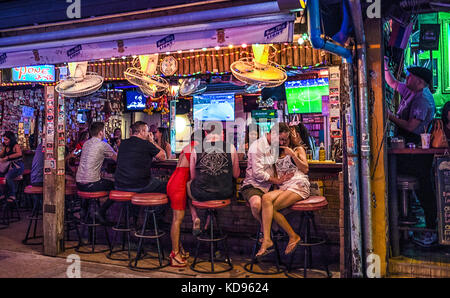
34 190
149 199
3 179
216 204
312 203
121 196
92 195
26 172
309 240
70 191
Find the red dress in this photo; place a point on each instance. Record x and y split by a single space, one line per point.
176 187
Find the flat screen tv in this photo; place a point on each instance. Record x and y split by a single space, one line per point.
305 96
214 107
135 101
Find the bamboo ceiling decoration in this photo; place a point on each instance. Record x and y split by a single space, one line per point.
212 61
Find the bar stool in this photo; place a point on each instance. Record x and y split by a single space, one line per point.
211 209
306 208
254 260
71 222
149 201
407 185
124 198
93 199
36 193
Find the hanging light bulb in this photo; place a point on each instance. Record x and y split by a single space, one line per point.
217 48
300 40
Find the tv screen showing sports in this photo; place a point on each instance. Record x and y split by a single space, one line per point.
135 101
305 96
214 107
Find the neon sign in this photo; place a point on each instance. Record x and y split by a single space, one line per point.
39 73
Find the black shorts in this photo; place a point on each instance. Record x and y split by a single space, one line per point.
249 191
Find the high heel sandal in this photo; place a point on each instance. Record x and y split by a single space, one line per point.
174 262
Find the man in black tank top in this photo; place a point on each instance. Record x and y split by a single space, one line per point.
213 165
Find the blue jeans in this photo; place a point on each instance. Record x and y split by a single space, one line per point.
15 170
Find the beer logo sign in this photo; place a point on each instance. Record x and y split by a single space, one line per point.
166 42
275 31
74 51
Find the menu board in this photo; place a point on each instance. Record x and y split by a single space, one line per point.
443 198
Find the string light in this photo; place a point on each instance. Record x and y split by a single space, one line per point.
217 48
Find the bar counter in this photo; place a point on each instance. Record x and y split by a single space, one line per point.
238 219
315 167
393 196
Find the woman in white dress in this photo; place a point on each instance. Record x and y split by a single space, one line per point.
292 160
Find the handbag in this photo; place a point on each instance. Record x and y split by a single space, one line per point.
438 137
4 166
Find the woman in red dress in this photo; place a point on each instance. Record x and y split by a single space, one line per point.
176 191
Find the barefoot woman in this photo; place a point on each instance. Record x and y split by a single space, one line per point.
292 160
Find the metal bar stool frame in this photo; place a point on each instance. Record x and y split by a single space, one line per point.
35 217
212 214
141 254
93 203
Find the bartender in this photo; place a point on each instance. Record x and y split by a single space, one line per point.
413 117
417 107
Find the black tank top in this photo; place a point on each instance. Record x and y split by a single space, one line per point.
213 173
10 152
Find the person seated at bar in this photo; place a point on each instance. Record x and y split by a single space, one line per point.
446 120
116 139
176 191
161 137
414 115
260 174
37 167
134 164
302 132
292 160
11 152
88 177
84 136
213 165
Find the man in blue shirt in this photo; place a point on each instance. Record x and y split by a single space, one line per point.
415 114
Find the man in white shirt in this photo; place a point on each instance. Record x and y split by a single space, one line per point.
260 174
88 177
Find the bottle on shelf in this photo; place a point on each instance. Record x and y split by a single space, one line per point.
322 152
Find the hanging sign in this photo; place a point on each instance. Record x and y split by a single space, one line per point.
39 73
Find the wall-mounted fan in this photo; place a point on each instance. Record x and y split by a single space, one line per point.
79 83
259 70
144 77
192 86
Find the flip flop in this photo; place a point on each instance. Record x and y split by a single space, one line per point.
268 251
292 247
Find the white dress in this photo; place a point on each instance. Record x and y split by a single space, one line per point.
299 183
